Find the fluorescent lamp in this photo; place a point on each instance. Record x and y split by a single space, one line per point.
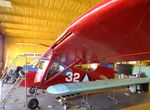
25 44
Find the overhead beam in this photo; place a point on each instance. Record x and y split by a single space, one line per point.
39 37
29 30
39 27
30 24
52 19
34 6
23 20
84 2
88 3
29 37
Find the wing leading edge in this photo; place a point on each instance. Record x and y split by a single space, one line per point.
71 88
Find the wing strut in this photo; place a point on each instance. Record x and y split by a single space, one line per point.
47 69
72 64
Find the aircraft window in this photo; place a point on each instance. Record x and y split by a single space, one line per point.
41 65
35 63
56 68
86 67
61 68
89 69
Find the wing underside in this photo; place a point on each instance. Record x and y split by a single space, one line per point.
116 30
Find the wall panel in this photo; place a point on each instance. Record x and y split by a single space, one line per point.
1 52
18 46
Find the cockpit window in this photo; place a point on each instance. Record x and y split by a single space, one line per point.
41 65
35 63
56 68
87 67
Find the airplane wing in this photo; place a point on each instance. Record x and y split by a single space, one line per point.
113 30
71 88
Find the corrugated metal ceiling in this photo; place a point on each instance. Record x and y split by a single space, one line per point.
44 19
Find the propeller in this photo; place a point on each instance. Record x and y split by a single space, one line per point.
4 3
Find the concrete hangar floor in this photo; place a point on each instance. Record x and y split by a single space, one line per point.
98 101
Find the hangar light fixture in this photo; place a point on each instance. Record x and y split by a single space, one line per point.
25 44
4 3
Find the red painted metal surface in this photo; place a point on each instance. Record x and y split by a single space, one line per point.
114 30
30 75
61 77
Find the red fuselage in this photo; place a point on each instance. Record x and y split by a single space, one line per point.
72 75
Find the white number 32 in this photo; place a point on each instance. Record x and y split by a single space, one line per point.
72 77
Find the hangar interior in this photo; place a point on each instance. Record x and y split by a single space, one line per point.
29 27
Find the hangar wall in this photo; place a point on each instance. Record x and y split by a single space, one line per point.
17 46
1 52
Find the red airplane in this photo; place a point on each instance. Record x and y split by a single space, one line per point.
72 74
61 75
111 31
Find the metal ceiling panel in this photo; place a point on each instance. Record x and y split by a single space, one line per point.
45 18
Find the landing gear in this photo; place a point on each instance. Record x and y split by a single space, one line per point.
132 89
65 107
32 90
64 103
33 103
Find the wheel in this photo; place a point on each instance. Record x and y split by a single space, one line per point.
11 81
32 90
33 103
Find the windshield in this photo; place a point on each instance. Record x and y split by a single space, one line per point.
56 68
